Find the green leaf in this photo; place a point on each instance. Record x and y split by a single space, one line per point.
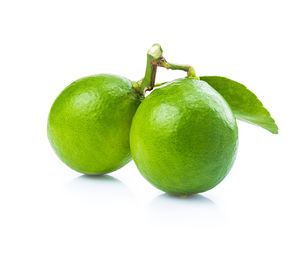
243 103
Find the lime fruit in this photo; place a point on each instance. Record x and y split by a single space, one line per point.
184 137
89 123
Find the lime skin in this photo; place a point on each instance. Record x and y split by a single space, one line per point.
184 137
89 123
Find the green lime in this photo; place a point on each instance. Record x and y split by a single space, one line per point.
89 123
184 137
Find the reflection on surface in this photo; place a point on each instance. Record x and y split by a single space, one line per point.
192 209
187 199
99 188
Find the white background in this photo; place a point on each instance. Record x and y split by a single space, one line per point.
50 213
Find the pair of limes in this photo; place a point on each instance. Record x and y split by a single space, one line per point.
183 137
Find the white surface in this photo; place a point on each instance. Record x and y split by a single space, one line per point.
50 213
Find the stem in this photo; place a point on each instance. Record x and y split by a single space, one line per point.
154 60
189 69
154 55
160 84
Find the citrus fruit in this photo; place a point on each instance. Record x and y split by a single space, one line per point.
184 137
89 123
